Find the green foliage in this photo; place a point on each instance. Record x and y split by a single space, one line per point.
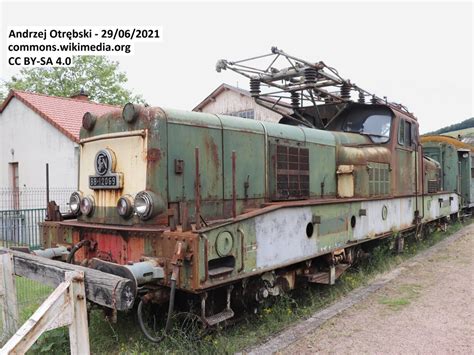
469 123
97 75
2 93
53 342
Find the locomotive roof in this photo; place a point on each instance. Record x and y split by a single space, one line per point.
448 140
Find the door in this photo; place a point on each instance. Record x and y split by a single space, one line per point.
15 187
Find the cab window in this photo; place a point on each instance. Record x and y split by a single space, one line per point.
376 126
405 133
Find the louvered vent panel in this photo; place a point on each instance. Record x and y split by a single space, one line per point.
379 179
433 186
292 173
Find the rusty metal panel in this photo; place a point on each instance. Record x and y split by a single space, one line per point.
247 139
345 181
183 140
322 162
404 171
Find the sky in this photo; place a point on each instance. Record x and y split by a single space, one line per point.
417 53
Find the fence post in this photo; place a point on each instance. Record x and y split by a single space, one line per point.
8 300
65 306
78 329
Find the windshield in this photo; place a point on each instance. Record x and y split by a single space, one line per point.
375 126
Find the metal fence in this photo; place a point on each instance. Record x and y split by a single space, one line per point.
31 198
21 211
21 227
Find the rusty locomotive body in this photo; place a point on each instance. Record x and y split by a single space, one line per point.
227 210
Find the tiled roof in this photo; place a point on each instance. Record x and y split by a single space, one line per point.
62 112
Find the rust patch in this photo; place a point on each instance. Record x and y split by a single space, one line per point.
212 151
153 155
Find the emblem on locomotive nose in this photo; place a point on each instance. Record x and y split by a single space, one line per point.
102 162
106 177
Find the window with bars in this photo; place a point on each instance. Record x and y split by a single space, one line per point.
292 173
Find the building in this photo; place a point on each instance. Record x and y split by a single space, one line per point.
36 129
229 100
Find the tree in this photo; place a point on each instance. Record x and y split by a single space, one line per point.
98 76
469 123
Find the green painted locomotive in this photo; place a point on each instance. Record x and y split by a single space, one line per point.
456 165
224 211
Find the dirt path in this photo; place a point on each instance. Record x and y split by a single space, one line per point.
428 309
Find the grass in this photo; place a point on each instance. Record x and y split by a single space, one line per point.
30 294
124 337
395 303
405 294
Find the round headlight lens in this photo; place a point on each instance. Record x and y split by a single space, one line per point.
125 206
143 205
75 202
87 205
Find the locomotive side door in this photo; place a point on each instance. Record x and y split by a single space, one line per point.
405 157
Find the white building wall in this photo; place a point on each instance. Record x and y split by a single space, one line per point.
35 142
230 101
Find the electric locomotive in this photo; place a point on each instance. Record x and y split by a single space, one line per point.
223 211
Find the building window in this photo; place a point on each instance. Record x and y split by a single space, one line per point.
244 114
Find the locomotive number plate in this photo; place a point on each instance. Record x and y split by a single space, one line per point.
105 182
106 178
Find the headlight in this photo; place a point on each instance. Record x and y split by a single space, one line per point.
144 205
75 202
125 206
148 204
87 205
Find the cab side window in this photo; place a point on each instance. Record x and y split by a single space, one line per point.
401 133
406 133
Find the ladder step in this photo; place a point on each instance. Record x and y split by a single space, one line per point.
220 317
220 271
